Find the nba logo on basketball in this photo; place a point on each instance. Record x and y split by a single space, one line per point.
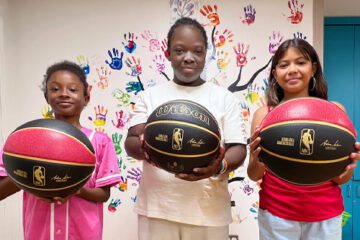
177 139
39 176
307 141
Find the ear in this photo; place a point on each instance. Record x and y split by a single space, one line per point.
274 73
314 68
168 55
87 100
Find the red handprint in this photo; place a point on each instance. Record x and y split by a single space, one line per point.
241 52
121 119
211 14
134 65
296 14
164 47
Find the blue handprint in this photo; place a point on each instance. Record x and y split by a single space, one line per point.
134 87
116 61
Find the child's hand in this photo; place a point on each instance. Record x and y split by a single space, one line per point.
205 172
349 170
255 149
60 200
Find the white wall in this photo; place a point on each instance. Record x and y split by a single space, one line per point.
36 33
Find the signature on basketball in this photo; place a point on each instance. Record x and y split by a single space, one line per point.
195 143
184 110
57 178
330 146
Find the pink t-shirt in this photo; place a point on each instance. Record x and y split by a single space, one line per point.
78 218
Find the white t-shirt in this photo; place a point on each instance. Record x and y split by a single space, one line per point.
161 195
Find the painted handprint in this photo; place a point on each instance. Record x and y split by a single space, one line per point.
100 129
275 41
221 39
116 139
116 60
83 63
295 11
123 184
134 65
245 111
299 35
252 94
241 51
159 61
103 74
164 47
121 164
112 207
129 43
135 174
154 44
47 112
100 116
122 97
121 119
183 8
249 12
135 87
211 14
222 60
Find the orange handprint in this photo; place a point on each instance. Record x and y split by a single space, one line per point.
220 39
211 14
103 74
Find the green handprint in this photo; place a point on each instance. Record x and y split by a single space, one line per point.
116 138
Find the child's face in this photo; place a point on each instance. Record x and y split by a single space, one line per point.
65 94
187 55
293 73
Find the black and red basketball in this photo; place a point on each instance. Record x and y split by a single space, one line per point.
48 158
181 135
307 141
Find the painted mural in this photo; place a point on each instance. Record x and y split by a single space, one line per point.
137 61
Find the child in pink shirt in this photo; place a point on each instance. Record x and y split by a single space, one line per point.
78 216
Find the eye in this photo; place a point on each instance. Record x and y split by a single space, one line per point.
282 65
53 89
178 50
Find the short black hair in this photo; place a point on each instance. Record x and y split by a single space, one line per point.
65 66
182 22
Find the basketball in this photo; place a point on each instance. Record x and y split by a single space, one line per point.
181 135
306 141
48 158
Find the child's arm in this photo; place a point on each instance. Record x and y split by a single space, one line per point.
256 169
7 187
134 142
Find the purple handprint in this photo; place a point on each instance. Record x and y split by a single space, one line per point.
275 41
135 174
249 15
116 61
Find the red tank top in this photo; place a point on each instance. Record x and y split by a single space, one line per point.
300 203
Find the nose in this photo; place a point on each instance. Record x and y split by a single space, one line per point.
293 68
188 57
64 92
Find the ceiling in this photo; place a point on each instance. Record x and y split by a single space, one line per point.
341 8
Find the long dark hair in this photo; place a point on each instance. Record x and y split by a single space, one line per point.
275 93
